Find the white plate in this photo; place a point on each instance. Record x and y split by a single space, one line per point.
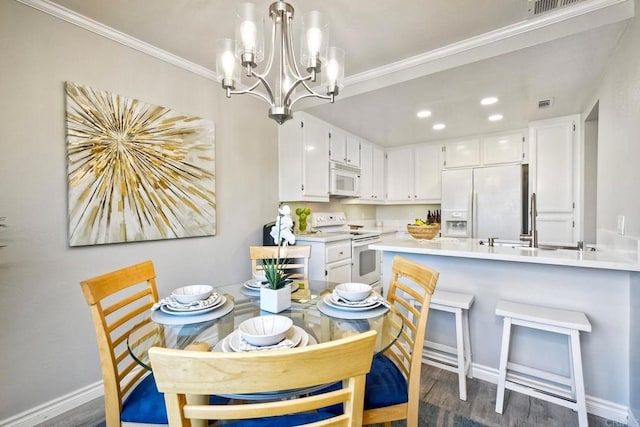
341 313
369 302
250 285
194 310
213 300
162 318
294 335
329 301
223 345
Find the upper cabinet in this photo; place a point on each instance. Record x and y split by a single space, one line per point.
485 151
554 177
371 173
345 148
303 155
414 174
460 154
500 149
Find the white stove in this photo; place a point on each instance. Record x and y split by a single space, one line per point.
365 262
335 223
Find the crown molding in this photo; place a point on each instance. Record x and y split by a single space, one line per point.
513 37
100 29
567 21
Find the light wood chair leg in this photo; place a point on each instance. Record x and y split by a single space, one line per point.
502 372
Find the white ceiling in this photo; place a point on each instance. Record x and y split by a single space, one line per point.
445 55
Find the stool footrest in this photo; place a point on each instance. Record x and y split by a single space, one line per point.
534 392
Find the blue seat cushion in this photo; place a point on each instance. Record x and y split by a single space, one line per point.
385 386
281 421
145 404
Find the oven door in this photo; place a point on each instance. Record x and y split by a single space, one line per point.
366 263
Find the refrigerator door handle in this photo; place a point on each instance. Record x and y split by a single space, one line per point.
474 213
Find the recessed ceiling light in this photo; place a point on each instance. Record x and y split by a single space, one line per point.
439 126
495 117
490 100
424 114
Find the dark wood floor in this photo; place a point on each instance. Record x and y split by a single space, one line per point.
440 388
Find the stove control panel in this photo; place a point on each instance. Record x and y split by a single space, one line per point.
328 219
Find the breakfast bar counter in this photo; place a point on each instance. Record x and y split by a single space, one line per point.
603 285
478 249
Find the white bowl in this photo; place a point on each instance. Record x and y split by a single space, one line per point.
353 291
265 330
189 294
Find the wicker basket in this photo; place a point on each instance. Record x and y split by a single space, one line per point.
423 231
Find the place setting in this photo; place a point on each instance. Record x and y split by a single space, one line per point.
252 286
191 304
263 333
353 301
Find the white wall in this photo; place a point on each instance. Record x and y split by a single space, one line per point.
47 342
618 130
618 171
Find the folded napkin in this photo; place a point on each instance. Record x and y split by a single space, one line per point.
370 300
245 346
170 302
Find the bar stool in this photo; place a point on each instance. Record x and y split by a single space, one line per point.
454 359
569 390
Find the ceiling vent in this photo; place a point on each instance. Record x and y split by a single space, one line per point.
545 103
538 7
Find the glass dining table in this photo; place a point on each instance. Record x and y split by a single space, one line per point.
307 311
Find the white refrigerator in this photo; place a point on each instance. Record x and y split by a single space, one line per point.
482 202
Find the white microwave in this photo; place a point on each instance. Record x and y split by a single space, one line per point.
344 181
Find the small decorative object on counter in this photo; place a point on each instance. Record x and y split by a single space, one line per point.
276 297
425 229
303 214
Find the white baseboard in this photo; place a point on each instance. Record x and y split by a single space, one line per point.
55 407
601 408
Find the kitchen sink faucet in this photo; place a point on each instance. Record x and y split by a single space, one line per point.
532 237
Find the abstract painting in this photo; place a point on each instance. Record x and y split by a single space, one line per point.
136 171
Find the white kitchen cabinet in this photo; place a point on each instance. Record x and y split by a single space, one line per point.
378 173
414 174
329 260
345 148
371 172
428 172
303 154
553 177
462 154
399 172
500 149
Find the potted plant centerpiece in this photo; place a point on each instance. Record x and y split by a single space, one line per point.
276 296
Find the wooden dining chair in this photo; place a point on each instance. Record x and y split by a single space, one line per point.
297 265
392 391
180 373
119 301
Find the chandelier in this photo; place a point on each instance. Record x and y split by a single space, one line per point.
247 50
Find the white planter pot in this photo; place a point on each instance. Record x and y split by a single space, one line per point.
275 300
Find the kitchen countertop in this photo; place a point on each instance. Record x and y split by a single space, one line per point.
471 248
335 236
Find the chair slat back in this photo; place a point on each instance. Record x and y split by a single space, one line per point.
297 257
410 290
118 301
179 373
